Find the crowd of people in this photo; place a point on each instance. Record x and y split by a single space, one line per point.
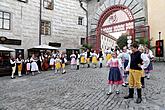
127 66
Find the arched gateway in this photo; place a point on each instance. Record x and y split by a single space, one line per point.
120 15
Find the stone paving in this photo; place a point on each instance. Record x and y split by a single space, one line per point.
83 89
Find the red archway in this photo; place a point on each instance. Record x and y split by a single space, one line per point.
106 14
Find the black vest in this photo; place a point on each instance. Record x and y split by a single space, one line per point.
135 60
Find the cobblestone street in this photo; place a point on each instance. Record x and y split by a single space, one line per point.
84 89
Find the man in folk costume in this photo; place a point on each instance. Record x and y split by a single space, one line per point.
63 62
100 56
136 66
13 65
19 64
88 57
77 59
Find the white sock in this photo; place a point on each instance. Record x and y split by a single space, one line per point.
110 88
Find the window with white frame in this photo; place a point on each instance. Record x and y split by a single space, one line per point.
80 20
48 4
5 18
45 27
25 1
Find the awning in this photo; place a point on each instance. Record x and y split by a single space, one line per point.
44 47
6 49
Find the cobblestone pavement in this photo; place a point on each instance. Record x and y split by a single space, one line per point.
84 89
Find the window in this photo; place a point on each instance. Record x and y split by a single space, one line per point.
82 41
80 20
5 20
48 4
25 1
45 27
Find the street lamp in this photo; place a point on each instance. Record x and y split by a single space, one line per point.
81 5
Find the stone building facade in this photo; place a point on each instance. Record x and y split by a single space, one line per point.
63 22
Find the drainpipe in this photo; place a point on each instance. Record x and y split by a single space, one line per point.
81 5
40 22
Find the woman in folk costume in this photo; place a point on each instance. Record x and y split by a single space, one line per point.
34 66
13 65
83 58
63 62
125 58
28 66
88 57
19 64
144 56
150 66
51 62
94 59
73 60
115 77
77 59
57 64
100 55
108 54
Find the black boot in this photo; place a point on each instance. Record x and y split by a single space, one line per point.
77 67
101 65
131 92
142 81
139 99
88 65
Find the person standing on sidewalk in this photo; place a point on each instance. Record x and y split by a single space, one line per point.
136 67
77 60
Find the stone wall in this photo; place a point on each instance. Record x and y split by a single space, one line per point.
25 23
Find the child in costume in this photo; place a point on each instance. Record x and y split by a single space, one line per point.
83 58
57 64
63 62
115 77
73 60
51 63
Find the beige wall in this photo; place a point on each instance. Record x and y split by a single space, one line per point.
156 18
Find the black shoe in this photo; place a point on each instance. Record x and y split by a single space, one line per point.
117 92
131 92
109 93
148 78
12 77
138 100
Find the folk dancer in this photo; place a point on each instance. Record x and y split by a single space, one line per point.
34 66
115 77
88 57
150 66
83 58
13 65
63 62
125 58
57 64
136 66
108 54
19 65
51 62
94 59
77 59
144 56
28 66
73 60
100 56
